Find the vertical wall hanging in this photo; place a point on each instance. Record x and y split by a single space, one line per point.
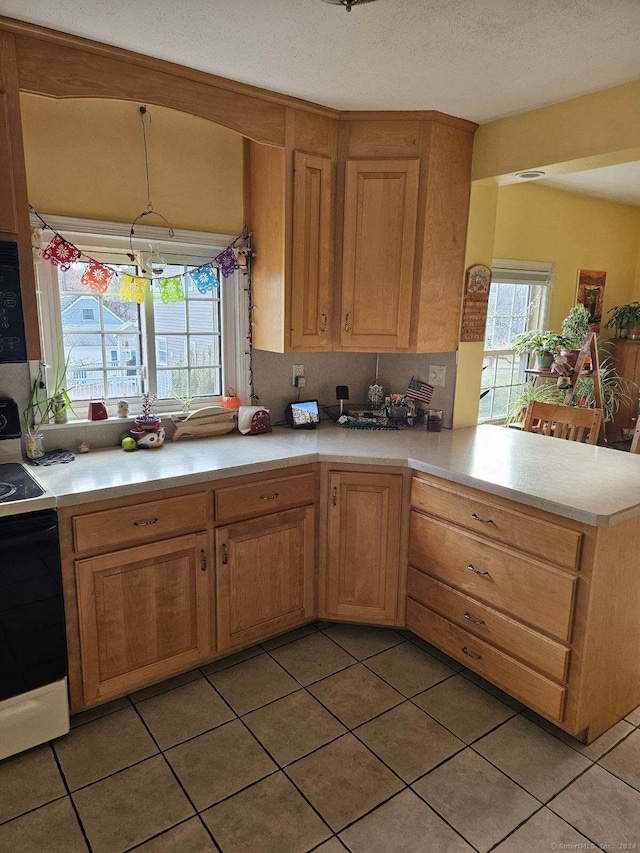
476 302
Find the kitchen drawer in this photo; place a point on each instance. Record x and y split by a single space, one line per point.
535 593
266 496
532 688
531 647
543 539
141 522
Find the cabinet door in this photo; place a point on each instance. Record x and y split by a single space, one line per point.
265 576
381 203
363 551
312 253
144 614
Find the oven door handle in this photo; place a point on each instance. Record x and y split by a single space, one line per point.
37 536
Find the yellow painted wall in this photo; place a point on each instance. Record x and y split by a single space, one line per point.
538 223
85 158
597 129
482 218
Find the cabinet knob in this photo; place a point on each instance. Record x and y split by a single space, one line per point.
469 654
476 517
473 569
325 322
346 323
145 522
470 618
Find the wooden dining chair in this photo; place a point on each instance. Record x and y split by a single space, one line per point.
569 422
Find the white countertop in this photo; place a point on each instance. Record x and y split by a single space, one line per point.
595 485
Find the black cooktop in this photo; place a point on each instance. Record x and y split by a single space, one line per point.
16 484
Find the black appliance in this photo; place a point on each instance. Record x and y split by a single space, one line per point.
13 346
32 631
9 418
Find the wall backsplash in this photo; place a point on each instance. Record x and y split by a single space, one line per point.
272 373
323 371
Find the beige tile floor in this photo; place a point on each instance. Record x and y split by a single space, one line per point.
329 738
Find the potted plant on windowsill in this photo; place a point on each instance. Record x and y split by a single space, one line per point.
542 344
625 319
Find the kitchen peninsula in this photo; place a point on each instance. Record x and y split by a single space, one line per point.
513 553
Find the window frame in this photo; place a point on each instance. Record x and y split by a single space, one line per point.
109 242
538 317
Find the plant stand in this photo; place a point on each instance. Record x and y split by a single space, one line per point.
589 350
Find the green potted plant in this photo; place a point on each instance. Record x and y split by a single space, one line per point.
574 332
542 344
615 390
625 319
35 414
542 392
59 402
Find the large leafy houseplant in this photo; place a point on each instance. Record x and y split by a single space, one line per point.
543 344
575 327
623 318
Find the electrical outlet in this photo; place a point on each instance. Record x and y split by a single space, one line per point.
298 370
437 373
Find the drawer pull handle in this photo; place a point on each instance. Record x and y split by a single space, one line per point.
346 323
225 555
473 569
476 517
470 618
203 560
325 322
469 654
146 522
270 497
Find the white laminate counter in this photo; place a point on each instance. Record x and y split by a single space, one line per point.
594 485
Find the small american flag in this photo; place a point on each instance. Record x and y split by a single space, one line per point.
418 390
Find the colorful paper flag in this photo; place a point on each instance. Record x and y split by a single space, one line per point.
97 277
133 288
205 278
420 391
171 289
60 253
227 261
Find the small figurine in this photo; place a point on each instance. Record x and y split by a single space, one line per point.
123 409
83 447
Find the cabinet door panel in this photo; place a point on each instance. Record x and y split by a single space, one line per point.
312 250
381 202
364 546
265 576
144 614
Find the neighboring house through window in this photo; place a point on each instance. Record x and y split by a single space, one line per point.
518 301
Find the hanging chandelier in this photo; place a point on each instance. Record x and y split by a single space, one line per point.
348 4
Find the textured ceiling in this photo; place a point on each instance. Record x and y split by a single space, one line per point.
478 59
617 183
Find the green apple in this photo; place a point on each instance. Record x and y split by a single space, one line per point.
128 443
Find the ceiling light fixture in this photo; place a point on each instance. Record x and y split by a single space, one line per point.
348 4
533 173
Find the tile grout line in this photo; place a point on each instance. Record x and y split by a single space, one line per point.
72 801
175 776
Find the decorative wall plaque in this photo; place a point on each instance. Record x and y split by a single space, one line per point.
476 300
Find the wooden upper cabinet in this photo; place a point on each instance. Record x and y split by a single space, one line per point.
380 214
363 550
311 277
144 614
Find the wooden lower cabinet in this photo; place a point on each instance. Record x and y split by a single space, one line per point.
144 614
363 547
265 576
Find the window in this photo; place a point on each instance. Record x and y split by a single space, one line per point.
117 350
517 302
